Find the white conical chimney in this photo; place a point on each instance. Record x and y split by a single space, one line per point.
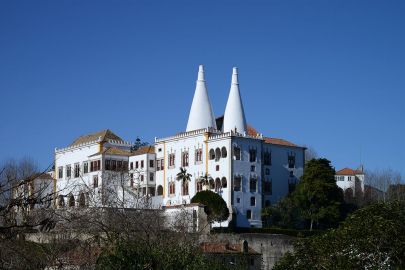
201 115
234 117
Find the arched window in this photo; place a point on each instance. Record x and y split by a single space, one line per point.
224 182
82 200
217 184
224 152
71 201
217 154
61 201
160 190
212 154
212 184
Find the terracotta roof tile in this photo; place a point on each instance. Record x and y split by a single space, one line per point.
348 171
279 142
149 149
104 134
113 151
251 130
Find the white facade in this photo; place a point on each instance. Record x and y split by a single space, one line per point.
248 170
93 173
349 179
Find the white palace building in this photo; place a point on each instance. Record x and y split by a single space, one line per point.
247 169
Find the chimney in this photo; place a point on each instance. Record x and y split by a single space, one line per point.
201 113
234 117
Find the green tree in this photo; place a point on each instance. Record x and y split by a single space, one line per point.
372 237
215 207
317 196
183 175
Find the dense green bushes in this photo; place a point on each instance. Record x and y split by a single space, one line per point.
371 238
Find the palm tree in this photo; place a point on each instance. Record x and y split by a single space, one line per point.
184 177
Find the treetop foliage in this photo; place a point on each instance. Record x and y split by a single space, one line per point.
371 238
215 206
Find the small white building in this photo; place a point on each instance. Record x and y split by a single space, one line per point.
93 171
351 181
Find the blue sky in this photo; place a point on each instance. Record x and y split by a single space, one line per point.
329 74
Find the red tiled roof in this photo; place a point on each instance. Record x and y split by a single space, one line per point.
104 134
224 248
149 149
251 131
348 171
113 151
279 142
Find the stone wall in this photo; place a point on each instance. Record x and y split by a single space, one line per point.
271 246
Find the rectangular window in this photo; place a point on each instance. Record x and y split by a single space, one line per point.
236 153
95 165
291 160
268 186
95 181
77 170
253 185
151 176
113 165
68 171
136 165
119 165
142 177
267 158
198 155
252 201
158 165
85 167
217 168
249 214
60 172
185 188
171 160
199 186
252 155
142 165
151 163
172 188
237 182
184 159
131 180
162 164
131 166
252 168
107 164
